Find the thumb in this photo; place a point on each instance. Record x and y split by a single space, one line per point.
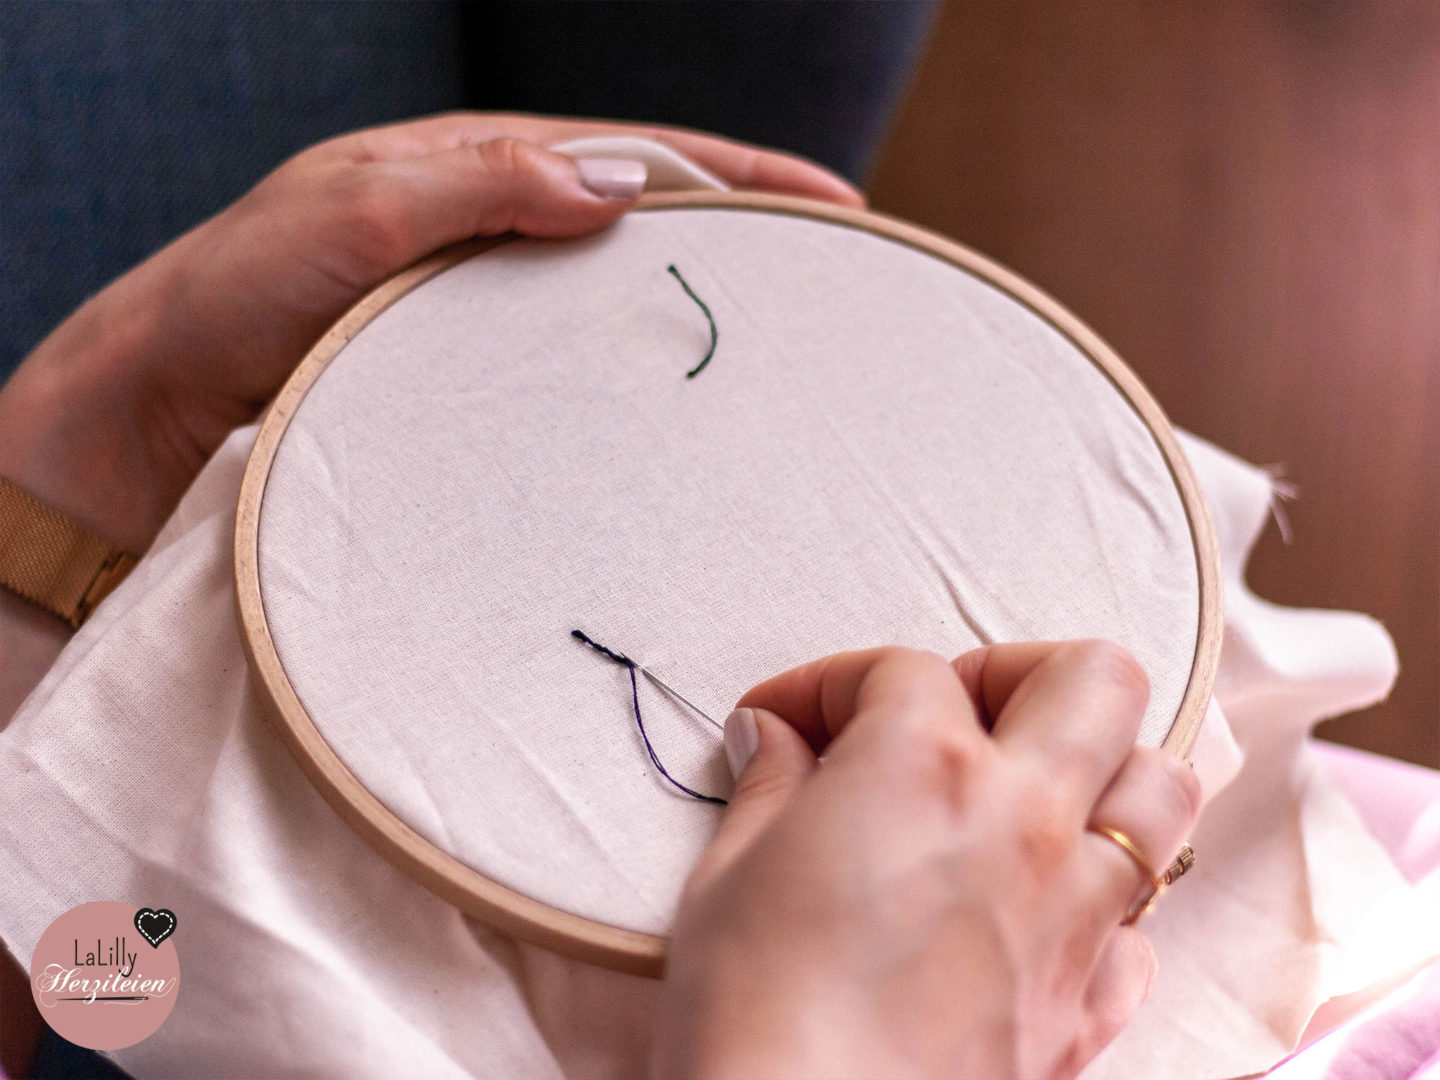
770 761
498 186
1119 983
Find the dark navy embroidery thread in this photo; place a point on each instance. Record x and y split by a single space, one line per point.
631 666
714 332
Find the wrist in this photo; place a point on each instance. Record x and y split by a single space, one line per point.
80 433
803 1038
732 1017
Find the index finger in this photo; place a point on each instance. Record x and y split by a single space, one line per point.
1076 706
893 690
738 163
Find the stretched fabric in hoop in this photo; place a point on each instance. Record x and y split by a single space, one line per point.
885 449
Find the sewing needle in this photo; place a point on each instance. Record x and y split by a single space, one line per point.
676 694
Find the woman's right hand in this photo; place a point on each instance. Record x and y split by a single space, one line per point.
928 900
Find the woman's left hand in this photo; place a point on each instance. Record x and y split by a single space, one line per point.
113 415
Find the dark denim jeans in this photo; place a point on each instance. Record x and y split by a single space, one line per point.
122 125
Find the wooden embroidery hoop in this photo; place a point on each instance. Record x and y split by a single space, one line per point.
473 893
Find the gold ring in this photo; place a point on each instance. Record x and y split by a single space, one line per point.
1183 862
1153 882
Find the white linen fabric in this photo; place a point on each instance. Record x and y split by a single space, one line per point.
884 449
1292 902
140 771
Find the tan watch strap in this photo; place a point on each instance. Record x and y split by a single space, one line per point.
52 560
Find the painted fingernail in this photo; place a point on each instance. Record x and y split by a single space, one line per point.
742 739
612 178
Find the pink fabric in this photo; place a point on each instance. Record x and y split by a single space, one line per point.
1397 1038
1399 802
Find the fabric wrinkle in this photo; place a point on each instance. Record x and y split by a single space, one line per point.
274 884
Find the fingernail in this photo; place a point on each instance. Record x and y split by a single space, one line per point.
612 178
742 739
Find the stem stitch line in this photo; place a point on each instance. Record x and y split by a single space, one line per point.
630 665
714 332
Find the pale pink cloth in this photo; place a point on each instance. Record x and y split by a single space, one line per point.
1397 1038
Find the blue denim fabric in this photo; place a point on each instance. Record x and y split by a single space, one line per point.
818 79
122 125
58 1059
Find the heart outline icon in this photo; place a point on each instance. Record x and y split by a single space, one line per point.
155 926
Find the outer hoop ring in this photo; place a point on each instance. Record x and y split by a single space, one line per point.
473 893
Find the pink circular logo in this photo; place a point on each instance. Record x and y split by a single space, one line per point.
105 975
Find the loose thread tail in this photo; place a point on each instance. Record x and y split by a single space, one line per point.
649 749
714 331
628 664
